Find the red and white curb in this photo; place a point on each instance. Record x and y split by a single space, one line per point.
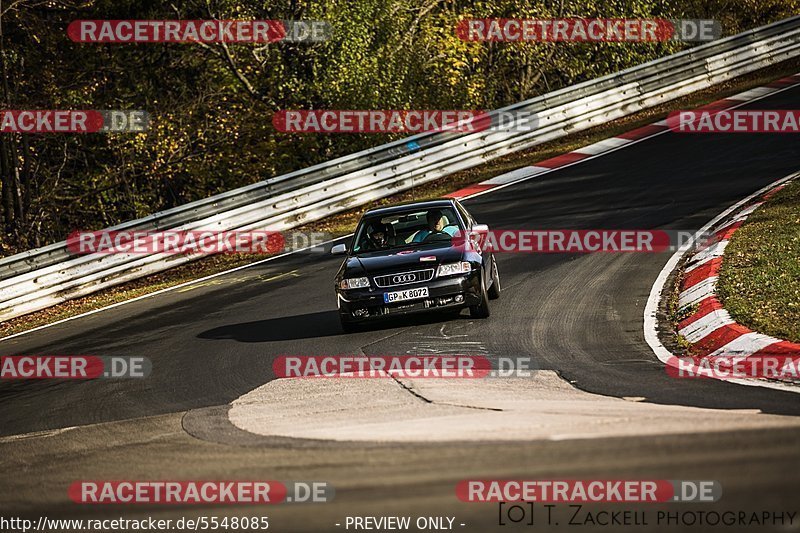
710 329
620 141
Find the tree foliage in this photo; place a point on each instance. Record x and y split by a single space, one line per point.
211 105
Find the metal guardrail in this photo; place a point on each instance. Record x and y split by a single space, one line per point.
42 277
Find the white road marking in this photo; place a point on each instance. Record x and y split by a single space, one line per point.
709 323
697 293
758 92
36 434
603 146
704 256
515 175
747 212
745 345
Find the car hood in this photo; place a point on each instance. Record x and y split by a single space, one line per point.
402 259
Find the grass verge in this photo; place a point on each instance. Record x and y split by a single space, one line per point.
345 222
759 282
672 313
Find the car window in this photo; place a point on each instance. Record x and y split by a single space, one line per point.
415 227
465 214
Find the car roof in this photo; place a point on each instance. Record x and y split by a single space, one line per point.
399 208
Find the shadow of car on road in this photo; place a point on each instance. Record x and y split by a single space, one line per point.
311 326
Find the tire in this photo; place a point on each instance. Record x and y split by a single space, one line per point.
481 310
494 290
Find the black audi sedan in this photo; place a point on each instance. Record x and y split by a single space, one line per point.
412 258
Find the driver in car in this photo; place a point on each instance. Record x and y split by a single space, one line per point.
378 239
436 224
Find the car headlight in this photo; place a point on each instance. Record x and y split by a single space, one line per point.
354 283
450 269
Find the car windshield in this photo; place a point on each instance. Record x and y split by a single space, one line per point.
415 227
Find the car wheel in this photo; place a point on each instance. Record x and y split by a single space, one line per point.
481 310
494 290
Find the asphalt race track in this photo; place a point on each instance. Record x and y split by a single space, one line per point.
577 315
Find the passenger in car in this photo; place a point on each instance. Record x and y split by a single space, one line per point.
437 223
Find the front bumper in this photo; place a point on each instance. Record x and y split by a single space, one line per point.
362 305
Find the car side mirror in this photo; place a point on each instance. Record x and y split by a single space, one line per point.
476 236
339 249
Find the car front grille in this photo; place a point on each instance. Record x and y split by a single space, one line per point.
404 278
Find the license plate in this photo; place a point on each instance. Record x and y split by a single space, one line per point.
408 294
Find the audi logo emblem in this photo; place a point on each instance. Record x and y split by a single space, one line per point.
404 278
